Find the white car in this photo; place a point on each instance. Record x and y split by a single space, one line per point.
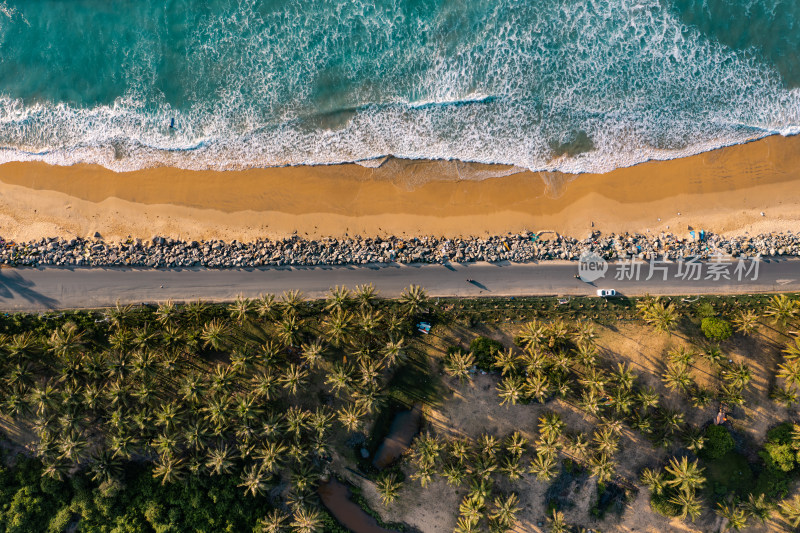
606 293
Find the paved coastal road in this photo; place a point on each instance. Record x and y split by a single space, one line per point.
33 289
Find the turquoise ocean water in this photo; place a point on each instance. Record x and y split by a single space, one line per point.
572 85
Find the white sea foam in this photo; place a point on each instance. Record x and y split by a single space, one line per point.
628 77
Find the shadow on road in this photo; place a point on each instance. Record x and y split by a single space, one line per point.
12 285
480 285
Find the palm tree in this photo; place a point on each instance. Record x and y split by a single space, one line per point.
792 349
685 475
672 421
254 480
274 522
266 307
66 341
214 334
701 397
271 455
505 510
584 332
543 466
677 376
166 314
590 402
579 447
506 361
388 487
304 478
735 516
350 416
532 335
365 295
289 330
510 390
606 441
367 322
105 467
472 506
312 353
781 309
602 468
790 511
551 425
556 523
786 395
586 354
241 309
653 480
695 441
688 505
454 473
537 386
337 326
168 468
339 378
516 443
293 378
467 525
512 467
338 299
663 317
623 376
293 302
595 380
757 507
119 315
413 300
393 352
738 375
647 397
21 346
460 449
458 364
789 370
746 321
196 311
306 520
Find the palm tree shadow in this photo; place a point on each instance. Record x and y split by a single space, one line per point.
12 286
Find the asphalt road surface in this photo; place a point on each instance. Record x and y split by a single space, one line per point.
36 289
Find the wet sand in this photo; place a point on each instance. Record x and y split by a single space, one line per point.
723 191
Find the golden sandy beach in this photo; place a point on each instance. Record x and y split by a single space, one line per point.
723 191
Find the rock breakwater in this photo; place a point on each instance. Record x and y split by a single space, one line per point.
525 247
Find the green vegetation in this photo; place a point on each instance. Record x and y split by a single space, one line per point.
206 417
187 417
719 442
716 329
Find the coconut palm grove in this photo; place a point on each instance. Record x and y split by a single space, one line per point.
359 413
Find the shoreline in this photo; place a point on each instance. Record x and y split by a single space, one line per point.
724 191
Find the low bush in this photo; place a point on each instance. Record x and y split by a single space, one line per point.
484 349
716 329
778 453
718 442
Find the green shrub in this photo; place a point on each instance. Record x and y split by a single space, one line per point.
718 442
660 503
484 349
716 329
778 453
705 309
